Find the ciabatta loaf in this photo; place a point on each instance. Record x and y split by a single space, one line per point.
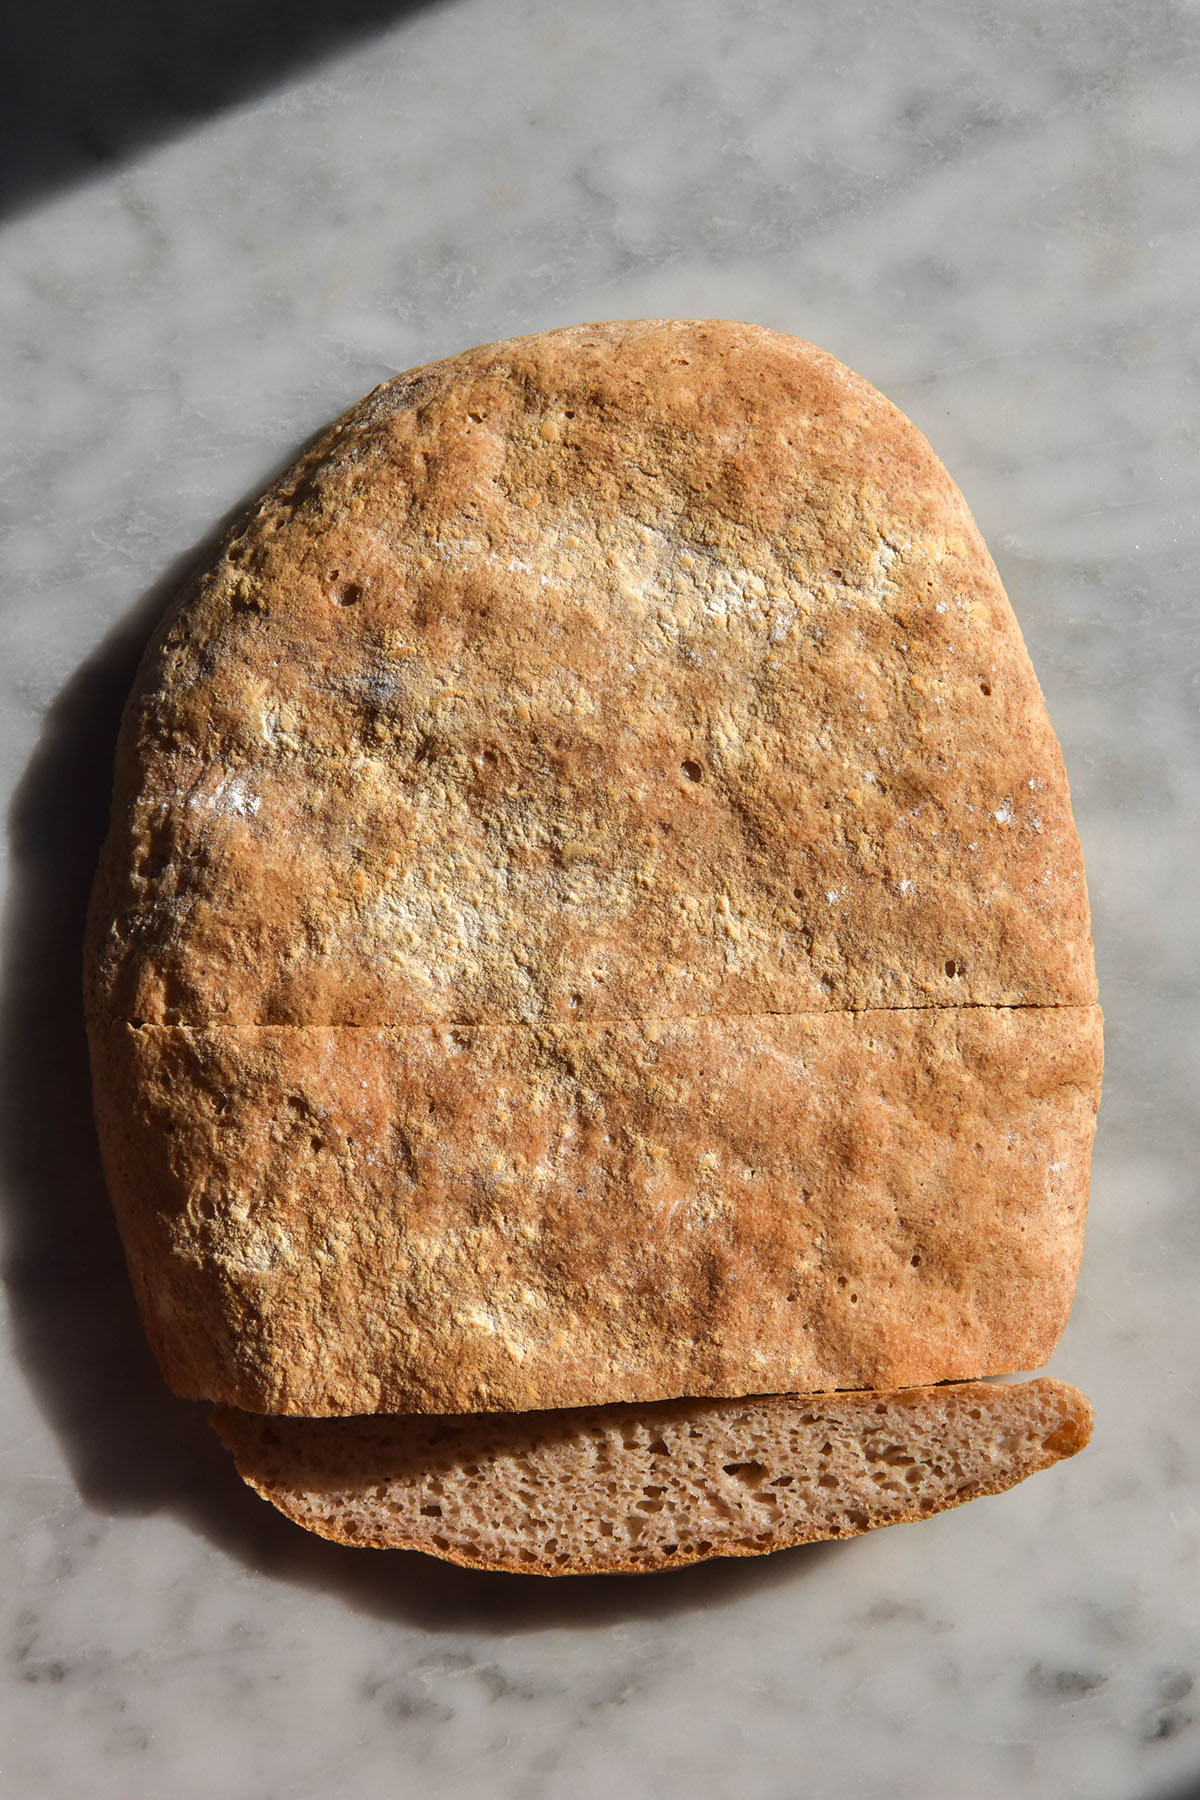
592 911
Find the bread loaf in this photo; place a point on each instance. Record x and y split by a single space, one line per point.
592 911
592 916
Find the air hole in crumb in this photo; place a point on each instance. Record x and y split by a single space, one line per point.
575 1000
346 593
692 770
854 1299
475 418
431 1512
985 687
751 1473
953 967
841 1281
658 1448
915 1260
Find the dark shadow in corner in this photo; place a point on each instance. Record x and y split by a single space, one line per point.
133 1448
1187 1789
84 85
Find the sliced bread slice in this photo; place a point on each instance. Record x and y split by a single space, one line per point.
622 1489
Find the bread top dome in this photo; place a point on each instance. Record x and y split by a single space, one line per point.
633 670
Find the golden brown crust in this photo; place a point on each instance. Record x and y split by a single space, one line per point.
437 1219
631 1489
639 705
420 745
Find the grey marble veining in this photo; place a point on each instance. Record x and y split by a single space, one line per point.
990 211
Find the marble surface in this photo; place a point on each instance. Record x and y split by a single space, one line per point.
989 210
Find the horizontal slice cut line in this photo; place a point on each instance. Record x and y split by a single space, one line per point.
532 1416
577 1024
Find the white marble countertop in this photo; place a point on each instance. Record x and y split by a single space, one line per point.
990 211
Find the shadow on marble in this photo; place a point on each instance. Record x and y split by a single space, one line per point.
75 1325
1188 1789
400 1585
89 85
132 1447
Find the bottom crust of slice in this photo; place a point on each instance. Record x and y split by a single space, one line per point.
626 1489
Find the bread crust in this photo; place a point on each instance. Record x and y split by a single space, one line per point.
591 895
433 1219
421 745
